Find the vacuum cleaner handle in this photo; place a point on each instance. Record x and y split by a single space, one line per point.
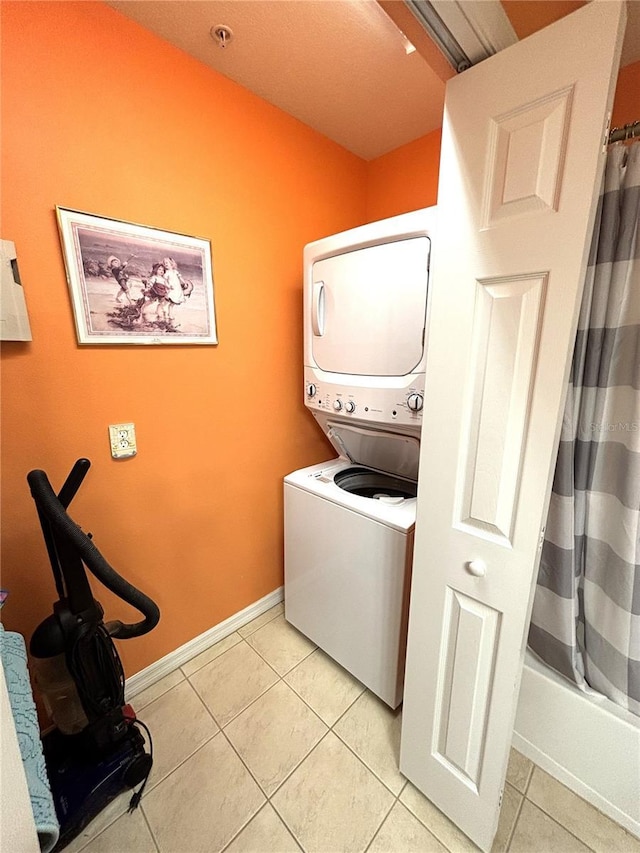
81 592
73 482
62 525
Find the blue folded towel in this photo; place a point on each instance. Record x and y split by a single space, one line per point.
14 661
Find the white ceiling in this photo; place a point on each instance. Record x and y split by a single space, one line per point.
339 66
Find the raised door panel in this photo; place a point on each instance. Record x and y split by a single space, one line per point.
527 148
506 326
469 644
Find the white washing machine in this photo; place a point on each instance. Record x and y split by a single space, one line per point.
349 522
348 552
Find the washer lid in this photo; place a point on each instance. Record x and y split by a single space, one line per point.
385 451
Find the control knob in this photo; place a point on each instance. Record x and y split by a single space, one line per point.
311 390
350 406
415 401
337 405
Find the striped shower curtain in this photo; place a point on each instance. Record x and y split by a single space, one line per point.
586 613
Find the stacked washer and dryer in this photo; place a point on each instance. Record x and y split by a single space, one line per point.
349 522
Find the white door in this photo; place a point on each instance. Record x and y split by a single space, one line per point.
369 309
522 154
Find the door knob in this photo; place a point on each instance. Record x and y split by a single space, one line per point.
477 568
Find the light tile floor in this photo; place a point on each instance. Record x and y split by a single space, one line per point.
263 744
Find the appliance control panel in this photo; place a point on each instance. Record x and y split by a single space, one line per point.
378 405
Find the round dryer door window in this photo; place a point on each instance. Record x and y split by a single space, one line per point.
376 485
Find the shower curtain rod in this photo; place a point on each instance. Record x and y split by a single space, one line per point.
627 131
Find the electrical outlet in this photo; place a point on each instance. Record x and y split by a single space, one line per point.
122 438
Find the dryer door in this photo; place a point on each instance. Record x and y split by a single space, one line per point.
369 309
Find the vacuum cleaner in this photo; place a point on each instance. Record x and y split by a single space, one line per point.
96 749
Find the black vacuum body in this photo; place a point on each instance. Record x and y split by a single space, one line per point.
96 749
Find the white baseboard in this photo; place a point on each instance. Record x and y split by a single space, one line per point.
155 671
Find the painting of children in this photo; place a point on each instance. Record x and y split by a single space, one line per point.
164 282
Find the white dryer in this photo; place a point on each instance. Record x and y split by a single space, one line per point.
349 522
365 322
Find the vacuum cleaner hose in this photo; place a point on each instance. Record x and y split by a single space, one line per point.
50 506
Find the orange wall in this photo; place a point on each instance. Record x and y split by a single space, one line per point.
102 116
405 179
528 17
626 106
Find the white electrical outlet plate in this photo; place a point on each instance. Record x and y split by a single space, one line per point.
122 438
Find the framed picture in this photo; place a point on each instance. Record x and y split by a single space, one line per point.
131 284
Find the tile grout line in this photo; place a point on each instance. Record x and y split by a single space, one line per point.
396 797
283 782
515 822
342 713
281 678
345 744
302 699
286 825
208 709
266 622
336 734
222 640
557 823
265 805
268 797
329 728
151 832
262 791
163 779
257 651
160 695
530 777
187 677
252 702
190 674
111 823
184 760
520 806
541 808
382 822
178 766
